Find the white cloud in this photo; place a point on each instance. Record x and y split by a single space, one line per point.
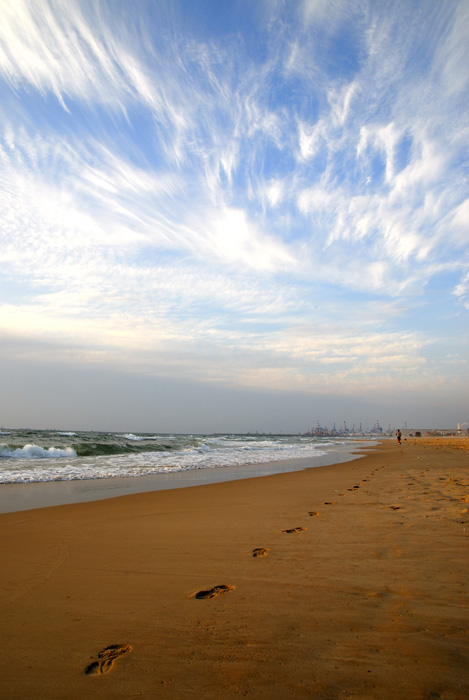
452 54
58 49
298 359
462 290
316 198
232 238
275 192
200 204
341 100
311 137
330 11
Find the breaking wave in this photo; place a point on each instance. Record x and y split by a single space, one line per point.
36 452
33 456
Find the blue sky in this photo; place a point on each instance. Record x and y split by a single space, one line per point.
233 216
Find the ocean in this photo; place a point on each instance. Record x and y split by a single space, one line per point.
34 456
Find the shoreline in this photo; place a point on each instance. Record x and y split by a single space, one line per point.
26 496
159 594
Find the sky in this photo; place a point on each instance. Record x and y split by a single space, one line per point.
233 216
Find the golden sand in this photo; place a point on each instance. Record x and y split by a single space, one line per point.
358 588
457 442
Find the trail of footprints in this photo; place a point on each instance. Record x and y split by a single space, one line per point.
260 552
106 658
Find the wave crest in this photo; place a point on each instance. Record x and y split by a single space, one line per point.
35 452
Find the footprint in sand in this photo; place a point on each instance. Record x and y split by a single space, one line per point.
105 659
294 529
212 592
259 552
97 668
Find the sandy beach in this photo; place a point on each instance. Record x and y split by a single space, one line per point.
358 589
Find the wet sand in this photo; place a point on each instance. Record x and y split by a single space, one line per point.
338 581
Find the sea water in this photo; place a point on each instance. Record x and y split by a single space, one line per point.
32 456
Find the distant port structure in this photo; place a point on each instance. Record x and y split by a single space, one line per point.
374 431
378 431
345 431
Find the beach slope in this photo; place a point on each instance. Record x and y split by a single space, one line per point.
340 581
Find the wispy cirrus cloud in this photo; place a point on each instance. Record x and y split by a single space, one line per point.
238 187
78 52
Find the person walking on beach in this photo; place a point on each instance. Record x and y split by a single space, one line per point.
398 435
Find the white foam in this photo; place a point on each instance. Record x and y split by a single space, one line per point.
36 452
32 463
139 438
